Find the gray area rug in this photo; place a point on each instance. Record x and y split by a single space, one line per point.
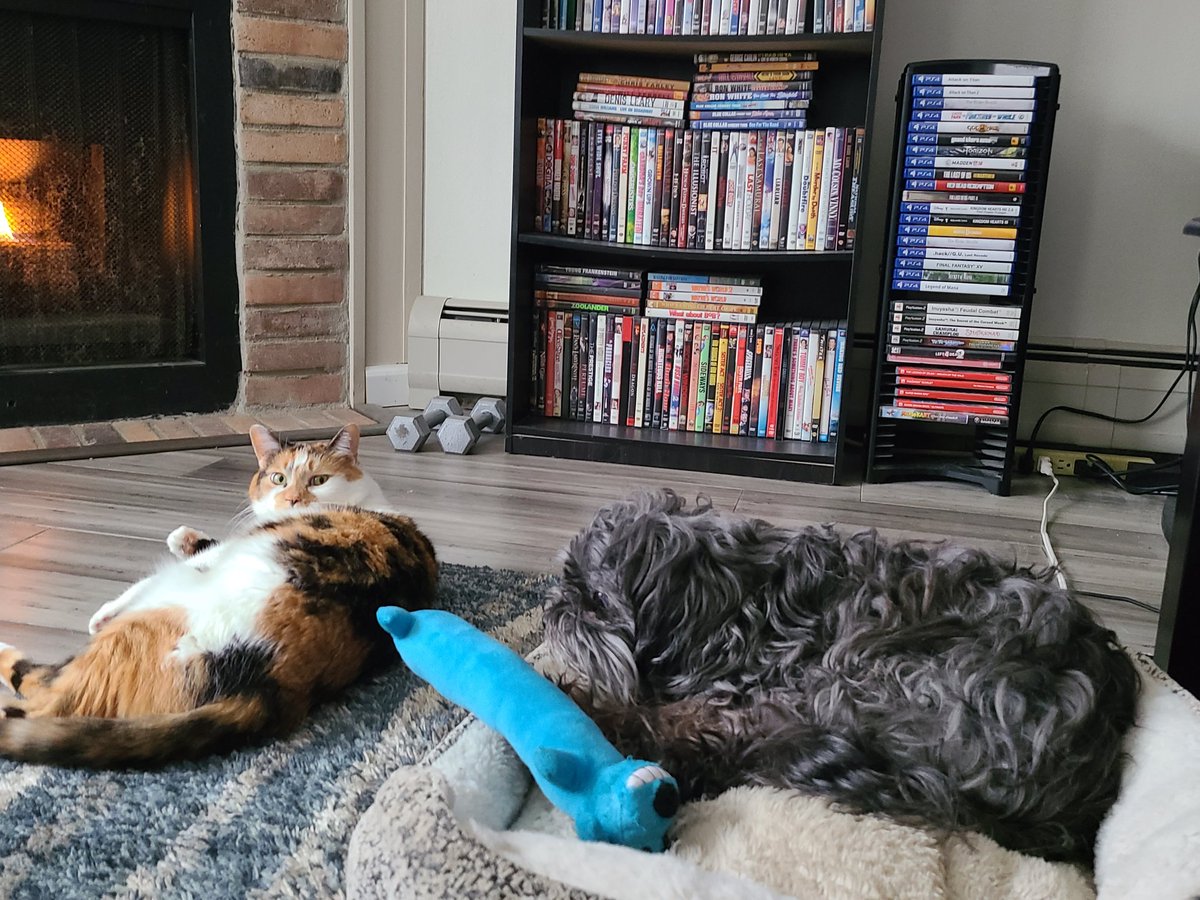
269 822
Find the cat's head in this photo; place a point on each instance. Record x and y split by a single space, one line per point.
297 478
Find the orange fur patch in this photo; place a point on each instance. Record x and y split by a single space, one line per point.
127 670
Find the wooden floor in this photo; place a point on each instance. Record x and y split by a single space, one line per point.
74 534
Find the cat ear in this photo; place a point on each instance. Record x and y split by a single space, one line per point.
345 442
265 444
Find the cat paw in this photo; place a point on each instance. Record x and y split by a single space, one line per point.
103 616
185 542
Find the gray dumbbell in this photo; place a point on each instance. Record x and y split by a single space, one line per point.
460 434
410 432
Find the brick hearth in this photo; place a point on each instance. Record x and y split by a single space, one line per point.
292 184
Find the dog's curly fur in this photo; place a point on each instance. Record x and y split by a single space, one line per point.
924 681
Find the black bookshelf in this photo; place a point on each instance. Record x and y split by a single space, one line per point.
547 67
980 451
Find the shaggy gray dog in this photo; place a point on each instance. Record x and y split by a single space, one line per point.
924 681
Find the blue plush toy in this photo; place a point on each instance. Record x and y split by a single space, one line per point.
611 798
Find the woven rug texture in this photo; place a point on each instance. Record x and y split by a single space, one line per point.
273 821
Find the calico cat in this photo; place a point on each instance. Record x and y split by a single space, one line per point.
236 641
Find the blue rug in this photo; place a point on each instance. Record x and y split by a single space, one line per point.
270 822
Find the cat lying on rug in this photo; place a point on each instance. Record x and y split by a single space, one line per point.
927 682
237 640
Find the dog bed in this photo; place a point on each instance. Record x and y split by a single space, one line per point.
469 822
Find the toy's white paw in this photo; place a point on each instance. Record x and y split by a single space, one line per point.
185 541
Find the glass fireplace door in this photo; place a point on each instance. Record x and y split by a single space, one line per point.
114 301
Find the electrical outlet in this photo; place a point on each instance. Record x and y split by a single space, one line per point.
1072 462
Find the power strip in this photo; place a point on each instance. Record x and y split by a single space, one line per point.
1074 462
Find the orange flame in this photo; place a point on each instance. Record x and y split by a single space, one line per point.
6 232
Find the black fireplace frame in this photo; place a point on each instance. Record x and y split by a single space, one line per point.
41 396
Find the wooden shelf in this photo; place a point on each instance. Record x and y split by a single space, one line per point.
759 457
675 254
678 45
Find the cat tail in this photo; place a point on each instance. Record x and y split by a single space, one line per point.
142 742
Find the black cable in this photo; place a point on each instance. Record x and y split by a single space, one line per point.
1118 599
1117 477
1191 360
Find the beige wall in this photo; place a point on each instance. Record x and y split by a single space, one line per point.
470 72
1114 270
394 44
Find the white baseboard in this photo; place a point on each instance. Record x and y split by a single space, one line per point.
387 385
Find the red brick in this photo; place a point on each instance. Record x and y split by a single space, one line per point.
15 439
293 146
310 321
282 109
173 427
301 390
293 289
54 437
319 10
295 253
294 218
295 184
134 431
285 38
100 433
295 356
209 426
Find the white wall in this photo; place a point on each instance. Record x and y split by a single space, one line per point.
1125 167
470 73
1114 269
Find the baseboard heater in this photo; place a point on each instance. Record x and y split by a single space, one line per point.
456 347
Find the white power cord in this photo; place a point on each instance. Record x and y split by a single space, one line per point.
1046 467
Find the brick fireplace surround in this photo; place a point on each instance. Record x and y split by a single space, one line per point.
293 251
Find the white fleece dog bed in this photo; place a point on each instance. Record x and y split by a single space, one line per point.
472 823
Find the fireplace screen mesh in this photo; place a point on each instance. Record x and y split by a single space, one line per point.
97 194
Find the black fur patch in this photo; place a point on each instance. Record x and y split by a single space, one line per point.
19 670
239 669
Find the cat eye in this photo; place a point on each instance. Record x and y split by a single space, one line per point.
318 479
278 478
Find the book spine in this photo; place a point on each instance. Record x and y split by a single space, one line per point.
702 377
718 418
712 147
677 365
817 344
779 353
831 343
803 342
703 147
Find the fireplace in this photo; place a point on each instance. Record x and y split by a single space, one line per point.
118 291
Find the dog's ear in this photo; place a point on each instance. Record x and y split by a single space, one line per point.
561 768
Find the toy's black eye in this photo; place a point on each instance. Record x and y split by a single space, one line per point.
666 800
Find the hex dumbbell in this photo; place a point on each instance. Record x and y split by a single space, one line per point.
410 432
459 434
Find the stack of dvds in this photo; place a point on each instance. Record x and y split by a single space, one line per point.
682 17
949 358
843 16
581 303
597 360
964 184
703 298
770 90
705 190
629 99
